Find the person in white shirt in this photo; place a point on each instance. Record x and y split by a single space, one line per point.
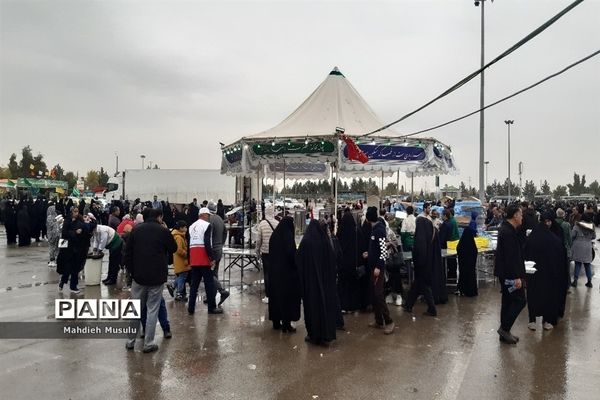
105 237
265 229
407 231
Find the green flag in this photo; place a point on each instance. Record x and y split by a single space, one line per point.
10 183
75 192
26 182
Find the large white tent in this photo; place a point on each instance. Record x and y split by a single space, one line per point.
306 145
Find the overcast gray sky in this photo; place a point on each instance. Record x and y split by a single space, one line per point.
80 80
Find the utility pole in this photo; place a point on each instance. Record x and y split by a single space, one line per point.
481 105
117 158
486 174
508 123
521 176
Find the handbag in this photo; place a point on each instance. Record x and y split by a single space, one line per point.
63 243
395 261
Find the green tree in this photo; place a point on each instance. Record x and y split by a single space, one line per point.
391 189
40 165
545 188
559 191
59 172
594 188
515 190
372 189
529 190
92 179
26 163
29 165
578 186
5 173
71 179
13 166
102 177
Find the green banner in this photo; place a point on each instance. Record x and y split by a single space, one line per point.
41 183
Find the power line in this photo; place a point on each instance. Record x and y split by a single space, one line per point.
520 43
507 97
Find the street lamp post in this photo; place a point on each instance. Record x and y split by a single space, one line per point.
142 157
508 123
481 104
486 173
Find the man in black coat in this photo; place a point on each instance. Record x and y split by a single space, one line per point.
377 257
146 257
510 270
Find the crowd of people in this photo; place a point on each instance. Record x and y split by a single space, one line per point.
352 266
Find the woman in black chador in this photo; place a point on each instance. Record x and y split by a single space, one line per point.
24 226
10 223
284 282
317 263
467 262
545 286
347 283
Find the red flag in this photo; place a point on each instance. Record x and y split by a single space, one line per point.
354 152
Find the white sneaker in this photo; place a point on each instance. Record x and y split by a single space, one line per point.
389 300
398 300
531 326
265 300
548 326
78 291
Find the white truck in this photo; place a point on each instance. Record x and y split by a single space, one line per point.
177 186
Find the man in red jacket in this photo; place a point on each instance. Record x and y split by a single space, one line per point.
202 262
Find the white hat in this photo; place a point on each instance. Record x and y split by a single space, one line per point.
204 210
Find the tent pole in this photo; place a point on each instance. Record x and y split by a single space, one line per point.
337 177
398 184
283 189
412 191
381 193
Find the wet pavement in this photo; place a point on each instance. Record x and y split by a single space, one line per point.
238 356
